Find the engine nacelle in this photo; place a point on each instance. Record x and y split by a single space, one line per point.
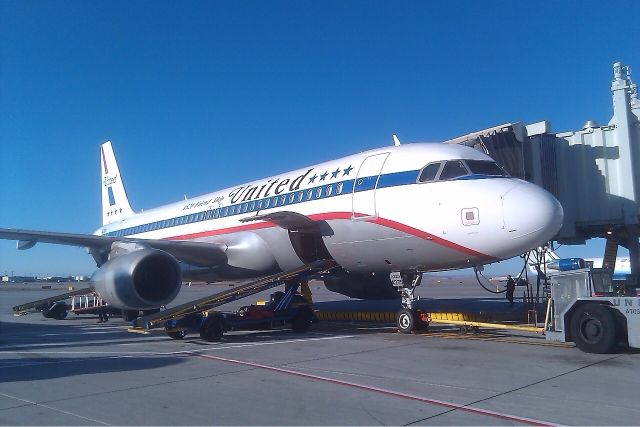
139 280
363 286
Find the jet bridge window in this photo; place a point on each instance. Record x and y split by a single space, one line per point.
484 167
429 172
453 169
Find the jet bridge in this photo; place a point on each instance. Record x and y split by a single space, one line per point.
594 172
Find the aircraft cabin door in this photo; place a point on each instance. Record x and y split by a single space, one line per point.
365 185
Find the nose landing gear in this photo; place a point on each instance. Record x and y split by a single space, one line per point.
408 319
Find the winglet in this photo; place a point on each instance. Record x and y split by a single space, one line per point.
115 205
396 141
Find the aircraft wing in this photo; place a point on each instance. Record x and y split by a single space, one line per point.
197 253
287 220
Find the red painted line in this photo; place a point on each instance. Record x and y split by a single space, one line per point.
104 161
342 215
456 406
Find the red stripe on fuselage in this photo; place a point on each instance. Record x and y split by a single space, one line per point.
341 215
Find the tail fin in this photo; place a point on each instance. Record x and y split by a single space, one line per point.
115 205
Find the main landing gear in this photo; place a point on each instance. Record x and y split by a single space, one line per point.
408 319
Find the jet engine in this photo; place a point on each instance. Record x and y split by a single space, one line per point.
139 280
363 286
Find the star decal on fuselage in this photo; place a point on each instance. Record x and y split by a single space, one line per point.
324 176
313 178
335 173
347 170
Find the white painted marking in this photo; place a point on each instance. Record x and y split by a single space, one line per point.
54 409
170 353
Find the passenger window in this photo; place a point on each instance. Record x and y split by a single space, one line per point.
292 197
339 188
266 203
453 169
309 194
300 195
283 200
318 192
275 201
429 172
259 205
252 206
329 190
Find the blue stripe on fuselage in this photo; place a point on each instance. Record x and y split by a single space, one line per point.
309 194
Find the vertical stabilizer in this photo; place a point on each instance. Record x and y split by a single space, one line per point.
115 205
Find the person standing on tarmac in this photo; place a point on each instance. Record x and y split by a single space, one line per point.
104 316
511 287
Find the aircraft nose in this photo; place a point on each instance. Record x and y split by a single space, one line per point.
531 214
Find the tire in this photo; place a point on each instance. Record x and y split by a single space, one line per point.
301 322
61 315
177 335
594 328
212 329
406 321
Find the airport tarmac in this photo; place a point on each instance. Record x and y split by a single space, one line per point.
79 372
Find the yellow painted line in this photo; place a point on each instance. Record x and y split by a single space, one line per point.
485 337
490 325
138 331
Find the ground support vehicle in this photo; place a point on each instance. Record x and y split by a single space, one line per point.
284 308
53 307
198 316
585 310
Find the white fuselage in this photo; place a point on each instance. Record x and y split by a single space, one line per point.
372 211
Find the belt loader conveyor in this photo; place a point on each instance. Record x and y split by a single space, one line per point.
202 305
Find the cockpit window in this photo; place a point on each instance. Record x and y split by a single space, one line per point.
453 169
484 167
429 172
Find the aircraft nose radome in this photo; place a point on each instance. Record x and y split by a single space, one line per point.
531 214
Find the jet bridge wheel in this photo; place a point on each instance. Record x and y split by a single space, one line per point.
593 328
407 320
212 329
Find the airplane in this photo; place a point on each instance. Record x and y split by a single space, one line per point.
407 208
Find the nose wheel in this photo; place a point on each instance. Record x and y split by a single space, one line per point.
406 321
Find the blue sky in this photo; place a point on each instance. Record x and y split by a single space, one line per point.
198 96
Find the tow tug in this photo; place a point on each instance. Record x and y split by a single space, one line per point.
288 307
586 308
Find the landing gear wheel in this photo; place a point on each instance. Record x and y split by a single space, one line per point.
594 329
212 329
406 321
177 335
302 321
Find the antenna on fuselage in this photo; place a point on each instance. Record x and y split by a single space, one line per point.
396 141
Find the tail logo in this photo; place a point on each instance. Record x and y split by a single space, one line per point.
109 180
